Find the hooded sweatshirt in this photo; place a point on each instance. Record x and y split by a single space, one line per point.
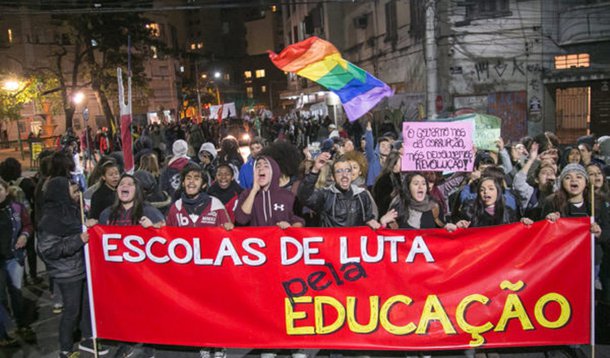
201 211
271 205
169 180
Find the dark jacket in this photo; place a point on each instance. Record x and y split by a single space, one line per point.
337 208
63 255
59 243
270 206
20 225
485 219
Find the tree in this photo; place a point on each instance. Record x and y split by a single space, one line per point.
15 93
88 53
104 38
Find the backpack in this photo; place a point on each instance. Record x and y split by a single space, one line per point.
18 195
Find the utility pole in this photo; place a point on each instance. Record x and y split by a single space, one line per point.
198 93
431 52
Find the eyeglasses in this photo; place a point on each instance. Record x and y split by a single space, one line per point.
343 171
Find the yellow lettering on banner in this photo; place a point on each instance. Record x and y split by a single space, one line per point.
292 316
434 311
513 308
384 316
319 303
353 324
564 305
475 331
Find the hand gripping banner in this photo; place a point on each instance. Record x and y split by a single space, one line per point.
348 288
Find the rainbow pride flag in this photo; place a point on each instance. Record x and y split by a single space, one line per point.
318 60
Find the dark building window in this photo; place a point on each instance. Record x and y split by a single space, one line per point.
486 9
391 21
418 19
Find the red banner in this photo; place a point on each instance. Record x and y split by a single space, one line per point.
349 288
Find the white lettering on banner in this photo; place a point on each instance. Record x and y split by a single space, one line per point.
135 249
419 247
303 250
141 256
107 247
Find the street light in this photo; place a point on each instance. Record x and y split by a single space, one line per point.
217 74
11 85
78 97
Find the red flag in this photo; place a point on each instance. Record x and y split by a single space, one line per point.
125 112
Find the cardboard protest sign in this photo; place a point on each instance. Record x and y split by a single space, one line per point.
486 131
438 146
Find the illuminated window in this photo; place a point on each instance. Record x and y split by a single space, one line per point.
250 92
193 46
572 61
227 77
154 29
10 36
248 74
264 89
199 45
260 73
153 50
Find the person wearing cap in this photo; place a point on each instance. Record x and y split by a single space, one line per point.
333 132
170 176
207 158
573 199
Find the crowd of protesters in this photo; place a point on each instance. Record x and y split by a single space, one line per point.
300 172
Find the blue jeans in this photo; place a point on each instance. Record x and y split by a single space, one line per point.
11 280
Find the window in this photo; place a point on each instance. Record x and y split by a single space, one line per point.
153 50
486 9
10 36
199 45
572 61
391 21
264 89
248 74
227 77
260 73
193 46
418 19
250 92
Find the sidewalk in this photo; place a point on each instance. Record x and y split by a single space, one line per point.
13 152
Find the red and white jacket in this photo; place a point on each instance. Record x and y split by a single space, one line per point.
213 214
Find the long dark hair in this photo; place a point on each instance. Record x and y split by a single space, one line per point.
138 203
479 207
405 194
388 169
560 198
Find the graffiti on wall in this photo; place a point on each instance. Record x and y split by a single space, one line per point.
485 70
511 107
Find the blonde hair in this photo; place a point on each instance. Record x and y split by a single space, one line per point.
325 177
150 163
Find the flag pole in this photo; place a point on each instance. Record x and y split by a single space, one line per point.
592 272
89 282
